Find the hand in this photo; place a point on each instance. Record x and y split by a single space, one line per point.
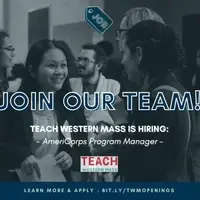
120 114
98 148
102 124
103 136
29 165
63 160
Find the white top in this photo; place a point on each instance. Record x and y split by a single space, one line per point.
44 118
104 85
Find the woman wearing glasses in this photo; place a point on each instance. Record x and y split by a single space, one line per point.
132 17
6 57
154 48
47 64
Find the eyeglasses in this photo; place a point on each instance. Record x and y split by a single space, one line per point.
84 61
10 49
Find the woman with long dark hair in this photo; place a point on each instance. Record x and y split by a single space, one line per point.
47 65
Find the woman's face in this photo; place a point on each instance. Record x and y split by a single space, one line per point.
53 71
128 60
7 55
131 64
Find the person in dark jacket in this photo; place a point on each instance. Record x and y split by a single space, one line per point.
47 64
153 48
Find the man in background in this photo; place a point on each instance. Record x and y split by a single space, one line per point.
91 63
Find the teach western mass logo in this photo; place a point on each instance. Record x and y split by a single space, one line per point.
98 18
99 163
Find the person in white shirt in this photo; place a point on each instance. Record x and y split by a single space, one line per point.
90 64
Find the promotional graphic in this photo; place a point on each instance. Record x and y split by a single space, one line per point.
99 99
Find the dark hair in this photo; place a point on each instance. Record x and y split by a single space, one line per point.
34 59
161 47
19 71
29 84
68 52
100 56
107 47
3 35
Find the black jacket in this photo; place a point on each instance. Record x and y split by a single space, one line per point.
16 137
164 161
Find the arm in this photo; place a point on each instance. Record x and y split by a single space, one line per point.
76 152
120 114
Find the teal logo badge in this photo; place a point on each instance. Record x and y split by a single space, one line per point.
98 19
